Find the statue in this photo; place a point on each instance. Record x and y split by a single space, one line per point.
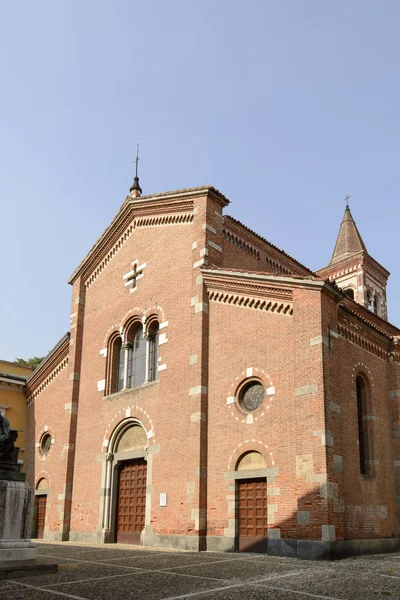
8 452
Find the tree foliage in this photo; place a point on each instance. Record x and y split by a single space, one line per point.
32 362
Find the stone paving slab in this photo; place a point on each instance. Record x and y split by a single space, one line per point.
243 593
94 553
25 594
139 586
387 563
354 586
6 586
160 561
70 572
238 570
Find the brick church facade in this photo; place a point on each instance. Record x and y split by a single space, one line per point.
215 394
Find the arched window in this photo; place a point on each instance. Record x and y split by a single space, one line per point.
137 359
153 351
121 367
349 292
115 365
363 429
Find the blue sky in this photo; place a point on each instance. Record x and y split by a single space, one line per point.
285 106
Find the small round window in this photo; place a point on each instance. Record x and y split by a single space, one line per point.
45 443
251 396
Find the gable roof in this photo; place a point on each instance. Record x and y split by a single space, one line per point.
126 213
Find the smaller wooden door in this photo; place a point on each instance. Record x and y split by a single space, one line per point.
253 521
40 506
131 501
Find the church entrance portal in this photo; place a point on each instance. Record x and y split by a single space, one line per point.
131 500
251 495
40 506
253 522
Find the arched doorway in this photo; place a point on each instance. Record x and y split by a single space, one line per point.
251 495
126 484
39 509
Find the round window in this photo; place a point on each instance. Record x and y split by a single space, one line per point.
251 396
45 443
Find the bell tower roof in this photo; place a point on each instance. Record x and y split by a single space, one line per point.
349 240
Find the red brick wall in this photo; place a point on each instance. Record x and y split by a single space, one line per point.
48 410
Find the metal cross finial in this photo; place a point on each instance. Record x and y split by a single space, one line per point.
135 189
137 158
347 198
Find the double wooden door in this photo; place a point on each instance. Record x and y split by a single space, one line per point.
252 515
131 501
40 507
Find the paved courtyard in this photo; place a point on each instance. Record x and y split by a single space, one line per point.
129 572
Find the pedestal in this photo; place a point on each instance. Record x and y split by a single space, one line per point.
17 552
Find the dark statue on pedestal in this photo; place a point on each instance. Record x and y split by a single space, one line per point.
9 467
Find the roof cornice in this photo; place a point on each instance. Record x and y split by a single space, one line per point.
60 350
369 318
12 379
257 278
288 260
356 258
365 323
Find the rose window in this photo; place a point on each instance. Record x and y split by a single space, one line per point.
251 396
45 443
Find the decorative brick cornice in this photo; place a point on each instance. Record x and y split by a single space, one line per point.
239 289
362 260
246 286
49 365
46 382
368 318
273 306
164 220
160 220
373 273
335 274
239 242
121 228
358 339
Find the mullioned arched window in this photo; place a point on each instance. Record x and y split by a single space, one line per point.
134 361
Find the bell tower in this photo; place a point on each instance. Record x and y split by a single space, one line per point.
358 274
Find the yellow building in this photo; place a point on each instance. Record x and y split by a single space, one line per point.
12 400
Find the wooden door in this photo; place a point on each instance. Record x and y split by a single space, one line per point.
40 506
253 523
131 501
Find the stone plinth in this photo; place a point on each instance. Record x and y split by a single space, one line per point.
16 499
17 552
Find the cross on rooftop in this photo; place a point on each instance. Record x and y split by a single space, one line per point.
347 198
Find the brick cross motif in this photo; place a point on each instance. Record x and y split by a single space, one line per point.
134 275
